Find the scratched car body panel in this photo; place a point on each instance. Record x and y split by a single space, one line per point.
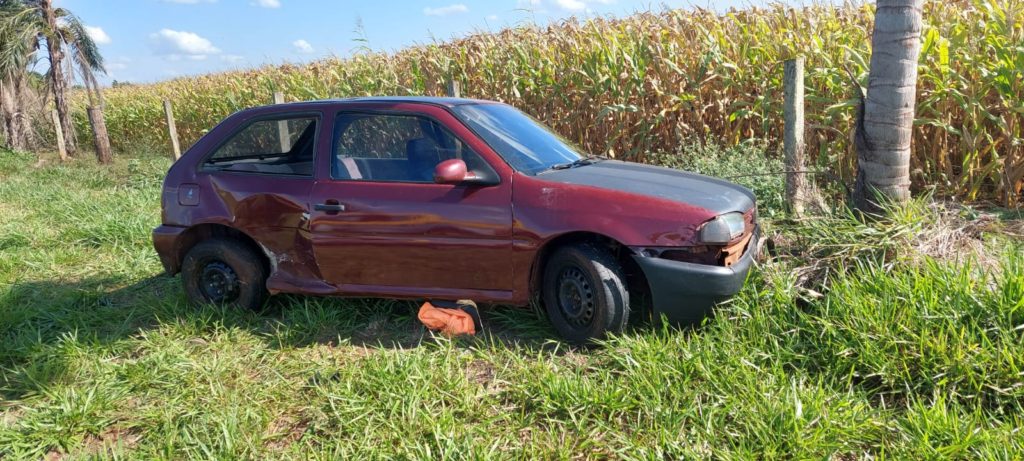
438 198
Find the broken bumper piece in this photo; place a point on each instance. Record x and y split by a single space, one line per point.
685 292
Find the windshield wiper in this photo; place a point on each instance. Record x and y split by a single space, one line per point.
588 160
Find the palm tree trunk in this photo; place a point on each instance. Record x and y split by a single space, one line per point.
884 131
99 126
5 116
12 115
60 85
22 122
100 138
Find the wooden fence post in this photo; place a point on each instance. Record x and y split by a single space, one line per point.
453 88
61 148
172 130
282 126
796 180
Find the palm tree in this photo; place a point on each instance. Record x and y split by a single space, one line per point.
65 37
15 58
12 113
884 128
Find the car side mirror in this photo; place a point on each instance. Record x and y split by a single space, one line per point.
452 171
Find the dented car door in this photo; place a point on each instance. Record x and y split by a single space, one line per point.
380 225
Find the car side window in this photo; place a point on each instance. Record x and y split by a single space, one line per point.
396 147
284 146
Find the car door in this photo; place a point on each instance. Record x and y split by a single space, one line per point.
258 181
380 225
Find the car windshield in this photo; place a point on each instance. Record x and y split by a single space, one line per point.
526 144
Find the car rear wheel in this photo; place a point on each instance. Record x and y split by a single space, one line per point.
585 293
224 272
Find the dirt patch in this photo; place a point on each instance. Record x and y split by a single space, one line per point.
386 333
322 352
375 328
284 431
577 358
110 438
525 436
198 342
327 338
1014 228
10 416
481 372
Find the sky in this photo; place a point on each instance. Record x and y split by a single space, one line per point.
152 40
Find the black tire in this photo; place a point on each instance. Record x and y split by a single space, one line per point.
584 293
225 272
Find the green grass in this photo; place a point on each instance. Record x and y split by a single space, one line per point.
887 356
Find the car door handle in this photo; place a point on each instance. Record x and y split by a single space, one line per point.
330 207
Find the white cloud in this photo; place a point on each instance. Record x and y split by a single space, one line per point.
571 5
302 46
446 10
492 17
580 5
98 35
528 3
177 44
188 2
232 58
268 3
119 63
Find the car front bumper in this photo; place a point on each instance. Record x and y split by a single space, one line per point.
686 292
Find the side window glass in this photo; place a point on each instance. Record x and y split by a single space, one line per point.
281 146
385 147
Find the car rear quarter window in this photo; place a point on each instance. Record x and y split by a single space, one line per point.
396 147
283 146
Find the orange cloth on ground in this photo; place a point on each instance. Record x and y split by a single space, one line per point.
450 322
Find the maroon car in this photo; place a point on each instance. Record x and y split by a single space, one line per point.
445 199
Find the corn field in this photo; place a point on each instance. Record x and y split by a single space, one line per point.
655 80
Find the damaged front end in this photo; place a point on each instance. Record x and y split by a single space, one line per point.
687 282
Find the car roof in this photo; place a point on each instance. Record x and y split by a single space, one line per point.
431 100
436 100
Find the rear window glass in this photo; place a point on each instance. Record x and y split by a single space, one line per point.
279 146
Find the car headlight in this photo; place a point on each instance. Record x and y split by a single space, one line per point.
722 229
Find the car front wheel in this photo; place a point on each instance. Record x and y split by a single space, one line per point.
585 294
224 272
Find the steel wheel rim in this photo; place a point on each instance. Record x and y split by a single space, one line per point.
575 297
219 282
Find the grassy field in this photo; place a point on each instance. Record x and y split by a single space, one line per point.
854 341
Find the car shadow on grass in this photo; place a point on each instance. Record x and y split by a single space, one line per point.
41 320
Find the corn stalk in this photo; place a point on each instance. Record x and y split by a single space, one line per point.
647 83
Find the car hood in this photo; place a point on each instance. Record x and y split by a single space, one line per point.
712 194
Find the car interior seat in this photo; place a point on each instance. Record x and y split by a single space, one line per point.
423 155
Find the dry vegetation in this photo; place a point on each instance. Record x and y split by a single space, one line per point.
649 82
